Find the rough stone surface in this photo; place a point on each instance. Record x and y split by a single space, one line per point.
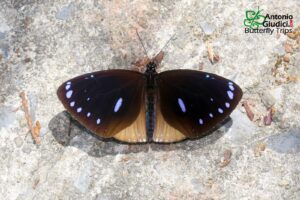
43 43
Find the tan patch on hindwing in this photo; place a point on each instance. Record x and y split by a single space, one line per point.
136 132
163 132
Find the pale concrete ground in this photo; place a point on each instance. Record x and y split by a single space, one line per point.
44 44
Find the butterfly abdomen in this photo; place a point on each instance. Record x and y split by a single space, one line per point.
150 113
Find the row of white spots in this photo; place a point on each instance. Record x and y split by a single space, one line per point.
229 92
207 76
220 110
227 105
68 85
72 103
92 76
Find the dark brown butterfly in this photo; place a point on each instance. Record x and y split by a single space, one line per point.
143 107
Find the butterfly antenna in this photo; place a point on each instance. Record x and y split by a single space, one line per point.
168 41
141 42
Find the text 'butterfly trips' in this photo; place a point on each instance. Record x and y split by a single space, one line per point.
139 107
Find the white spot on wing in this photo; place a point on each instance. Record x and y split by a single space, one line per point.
200 121
231 87
69 83
230 94
227 105
211 115
207 76
88 114
220 110
88 98
69 94
79 109
98 121
72 103
230 83
181 105
211 99
92 76
118 104
68 86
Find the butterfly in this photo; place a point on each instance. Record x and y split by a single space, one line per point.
136 107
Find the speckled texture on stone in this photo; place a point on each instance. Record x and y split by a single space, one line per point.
43 43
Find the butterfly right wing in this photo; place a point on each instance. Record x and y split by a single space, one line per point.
191 103
109 103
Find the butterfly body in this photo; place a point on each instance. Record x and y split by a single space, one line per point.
138 107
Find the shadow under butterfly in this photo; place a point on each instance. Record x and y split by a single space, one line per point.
136 107
80 137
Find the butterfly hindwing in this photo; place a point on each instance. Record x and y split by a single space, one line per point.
193 102
109 103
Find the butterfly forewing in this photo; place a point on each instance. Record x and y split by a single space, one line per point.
194 102
106 102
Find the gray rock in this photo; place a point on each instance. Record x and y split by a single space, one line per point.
207 28
7 116
242 128
2 35
65 12
4 50
268 99
288 142
83 180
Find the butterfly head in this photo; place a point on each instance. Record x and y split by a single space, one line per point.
152 65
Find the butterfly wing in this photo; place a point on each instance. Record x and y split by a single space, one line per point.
192 102
109 103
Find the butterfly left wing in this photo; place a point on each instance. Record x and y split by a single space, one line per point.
109 103
192 102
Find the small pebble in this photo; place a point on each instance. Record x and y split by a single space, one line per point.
291 35
267 99
286 57
65 12
207 28
26 149
2 35
288 48
18 141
